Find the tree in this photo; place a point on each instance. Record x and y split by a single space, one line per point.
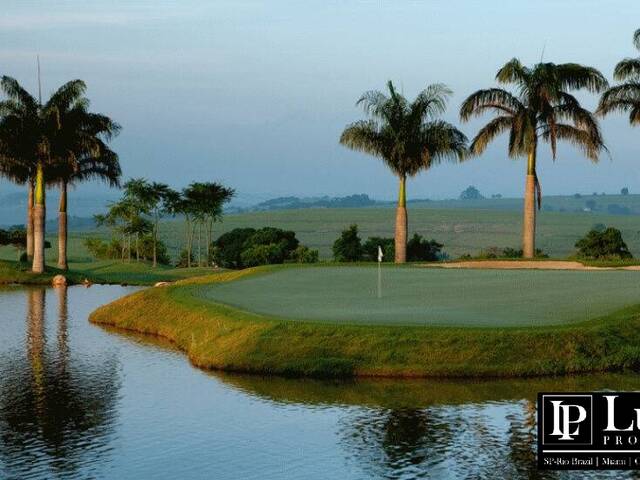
603 244
79 152
23 150
204 201
541 109
421 249
408 138
370 249
471 193
624 97
624 191
348 247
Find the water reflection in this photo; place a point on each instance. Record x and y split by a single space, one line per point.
77 401
55 410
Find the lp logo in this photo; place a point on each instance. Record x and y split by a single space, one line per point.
567 419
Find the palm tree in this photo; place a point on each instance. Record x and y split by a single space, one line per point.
36 137
79 153
543 109
104 167
408 138
624 97
20 143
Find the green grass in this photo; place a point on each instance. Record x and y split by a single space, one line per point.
421 296
216 336
461 230
109 272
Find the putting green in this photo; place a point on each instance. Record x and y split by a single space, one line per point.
421 296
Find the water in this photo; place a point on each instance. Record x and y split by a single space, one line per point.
77 401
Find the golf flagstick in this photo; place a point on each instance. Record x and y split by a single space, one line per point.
380 256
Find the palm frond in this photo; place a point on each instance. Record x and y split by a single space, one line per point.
629 68
573 76
491 99
636 38
489 132
513 72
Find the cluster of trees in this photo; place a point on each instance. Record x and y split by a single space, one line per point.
135 218
602 243
410 137
57 143
350 248
250 247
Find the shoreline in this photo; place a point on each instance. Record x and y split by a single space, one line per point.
219 337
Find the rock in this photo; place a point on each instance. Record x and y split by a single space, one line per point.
59 281
87 283
162 284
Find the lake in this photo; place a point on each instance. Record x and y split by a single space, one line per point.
78 401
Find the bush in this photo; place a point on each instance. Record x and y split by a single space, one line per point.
348 248
420 249
370 249
605 244
248 247
183 260
304 254
262 255
228 248
624 191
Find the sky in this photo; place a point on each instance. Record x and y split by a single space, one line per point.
255 94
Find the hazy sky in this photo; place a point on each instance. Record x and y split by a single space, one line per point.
255 94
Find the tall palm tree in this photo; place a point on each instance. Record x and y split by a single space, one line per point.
408 138
79 152
20 139
104 167
541 109
624 97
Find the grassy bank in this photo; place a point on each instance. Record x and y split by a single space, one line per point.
109 272
220 337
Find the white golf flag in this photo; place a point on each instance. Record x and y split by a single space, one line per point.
380 255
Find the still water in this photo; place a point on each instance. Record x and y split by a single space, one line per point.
78 401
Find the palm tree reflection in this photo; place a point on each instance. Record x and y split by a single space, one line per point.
60 406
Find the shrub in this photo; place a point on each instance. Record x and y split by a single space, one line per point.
183 260
421 249
624 191
228 248
304 254
370 249
606 244
255 255
348 248
248 247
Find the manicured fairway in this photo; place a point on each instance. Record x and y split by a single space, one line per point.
420 296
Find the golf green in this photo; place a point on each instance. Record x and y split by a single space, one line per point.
424 296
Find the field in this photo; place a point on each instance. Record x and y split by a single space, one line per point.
420 296
460 230
222 337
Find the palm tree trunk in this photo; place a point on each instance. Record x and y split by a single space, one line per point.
39 222
137 248
62 228
401 224
529 221
155 242
200 243
29 227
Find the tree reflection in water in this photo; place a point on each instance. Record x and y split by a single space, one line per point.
62 404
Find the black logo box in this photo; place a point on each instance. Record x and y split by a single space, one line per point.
589 430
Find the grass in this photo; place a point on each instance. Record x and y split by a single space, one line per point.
421 296
217 336
107 272
461 230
